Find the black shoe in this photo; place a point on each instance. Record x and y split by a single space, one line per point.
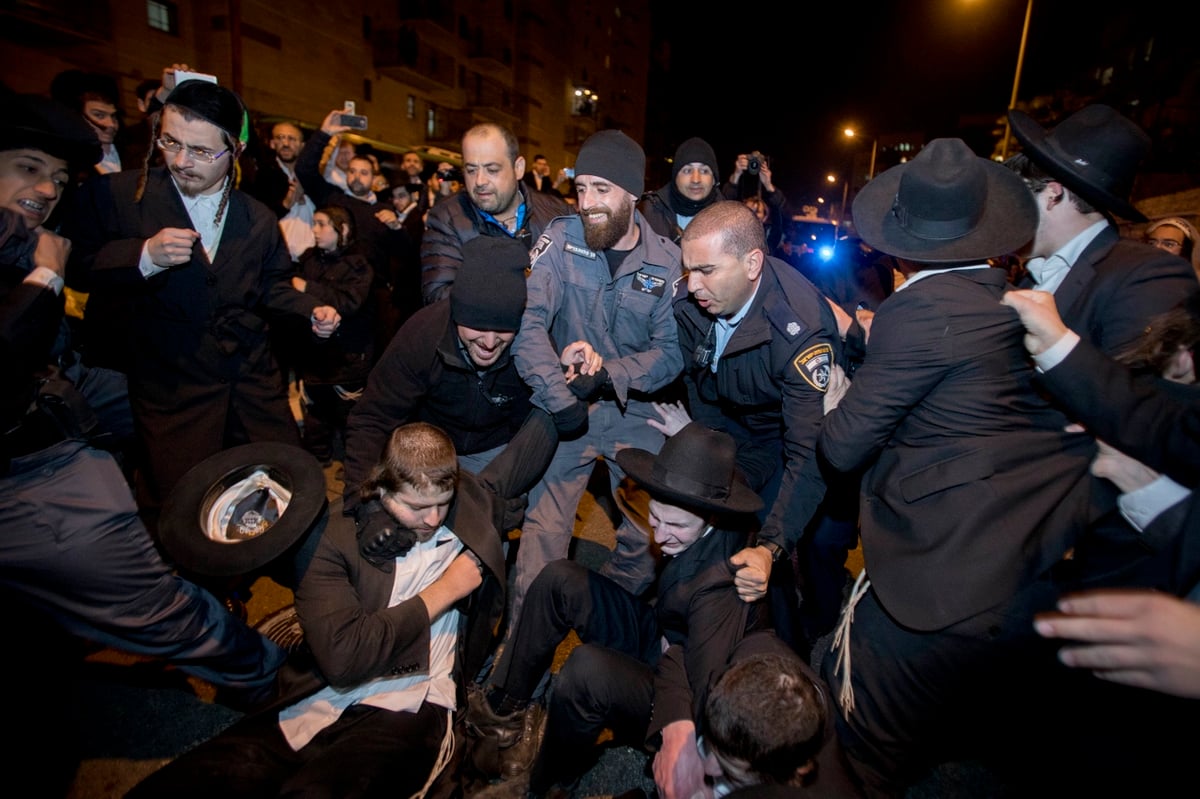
247 700
237 607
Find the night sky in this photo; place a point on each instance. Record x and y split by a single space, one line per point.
786 81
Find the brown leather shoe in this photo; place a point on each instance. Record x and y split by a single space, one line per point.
484 722
517 759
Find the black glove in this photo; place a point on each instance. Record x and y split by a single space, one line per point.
380 538
588 386
572 420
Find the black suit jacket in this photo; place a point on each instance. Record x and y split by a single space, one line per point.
547 186
975 489
1157 429
1116 285
200 350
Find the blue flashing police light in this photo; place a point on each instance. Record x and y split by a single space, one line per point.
825 252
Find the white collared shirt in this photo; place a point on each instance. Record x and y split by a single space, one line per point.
414 571
202 211
111 162
924 273
1048 273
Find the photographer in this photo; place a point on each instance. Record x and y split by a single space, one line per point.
752 178
445 183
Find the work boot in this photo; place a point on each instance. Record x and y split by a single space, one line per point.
487 723
517 759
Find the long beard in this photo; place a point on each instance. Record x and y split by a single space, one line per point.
605 235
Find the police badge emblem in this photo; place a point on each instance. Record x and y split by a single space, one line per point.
814 365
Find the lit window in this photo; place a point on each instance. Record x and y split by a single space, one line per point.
162 16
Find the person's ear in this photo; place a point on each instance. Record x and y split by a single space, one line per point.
753 261
1182 366
802 771
519 166
1055 192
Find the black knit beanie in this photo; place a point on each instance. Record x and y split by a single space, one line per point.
695 150
214 103
612 155
488 292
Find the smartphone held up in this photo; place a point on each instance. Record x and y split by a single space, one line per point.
350 119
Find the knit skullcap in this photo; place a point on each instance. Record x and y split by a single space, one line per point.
612 155
695 150
488 292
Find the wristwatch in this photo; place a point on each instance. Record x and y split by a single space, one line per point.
776 551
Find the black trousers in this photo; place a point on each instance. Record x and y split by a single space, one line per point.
607 682
368 752
921 697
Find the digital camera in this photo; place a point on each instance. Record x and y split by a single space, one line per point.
757 160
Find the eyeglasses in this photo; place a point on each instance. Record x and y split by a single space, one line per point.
169 145
1165 244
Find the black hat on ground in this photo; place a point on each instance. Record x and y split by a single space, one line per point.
1095 153
695 468
947 205
488 292
40 123
242 508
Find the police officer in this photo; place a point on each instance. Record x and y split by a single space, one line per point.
758 341
603 277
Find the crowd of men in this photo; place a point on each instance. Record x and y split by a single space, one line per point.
1013 481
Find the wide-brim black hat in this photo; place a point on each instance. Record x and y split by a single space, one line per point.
1095 153
286 506
695 468
40 123
947 205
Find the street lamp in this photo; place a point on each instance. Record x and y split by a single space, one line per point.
837 223
851 133
1012 103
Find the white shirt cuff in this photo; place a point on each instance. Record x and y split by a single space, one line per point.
45 277
146 266
1141 507
1055 354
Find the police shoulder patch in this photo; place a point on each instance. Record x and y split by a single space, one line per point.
814 364
542 244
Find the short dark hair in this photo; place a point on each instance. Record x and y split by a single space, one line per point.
1037 179
767 711
419 455
338 217
741 231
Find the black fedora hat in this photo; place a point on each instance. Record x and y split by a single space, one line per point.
947 205
242 508
40 123
696 469
1094 152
